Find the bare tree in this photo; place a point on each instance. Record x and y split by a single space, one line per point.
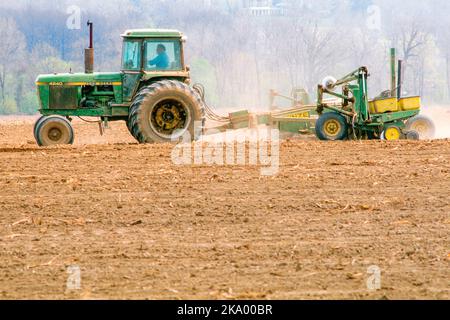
248 55
412 39
12 46
320 53
310 53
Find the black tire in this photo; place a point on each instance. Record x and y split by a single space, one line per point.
54 130
36 124
332 126
371 135
164 111
423 125
127 122
412 135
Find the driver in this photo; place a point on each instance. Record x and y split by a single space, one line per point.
161 61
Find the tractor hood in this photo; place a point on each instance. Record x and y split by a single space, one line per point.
110 78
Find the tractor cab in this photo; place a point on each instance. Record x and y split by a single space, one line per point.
149 54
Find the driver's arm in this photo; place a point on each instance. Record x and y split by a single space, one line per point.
154 61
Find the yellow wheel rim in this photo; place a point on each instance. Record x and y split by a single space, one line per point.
168 118
392 133
332 128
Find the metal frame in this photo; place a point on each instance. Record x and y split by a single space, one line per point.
355 104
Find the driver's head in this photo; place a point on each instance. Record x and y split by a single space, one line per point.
160 49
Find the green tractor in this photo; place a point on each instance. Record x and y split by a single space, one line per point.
353 116
151 93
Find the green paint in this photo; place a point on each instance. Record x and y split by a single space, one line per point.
98 94
354 86
80 77
393 73
152 33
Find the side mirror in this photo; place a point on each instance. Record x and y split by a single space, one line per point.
188 68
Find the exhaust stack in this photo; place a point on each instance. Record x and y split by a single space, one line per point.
400 79
393 73
89 52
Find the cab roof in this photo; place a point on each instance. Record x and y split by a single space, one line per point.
152 33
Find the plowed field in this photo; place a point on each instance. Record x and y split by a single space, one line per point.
140 227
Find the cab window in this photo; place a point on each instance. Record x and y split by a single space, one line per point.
162 55
131 56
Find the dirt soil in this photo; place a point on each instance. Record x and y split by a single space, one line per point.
140 227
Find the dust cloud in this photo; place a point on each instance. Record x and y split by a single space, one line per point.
440 115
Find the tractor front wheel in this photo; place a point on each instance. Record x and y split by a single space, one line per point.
164 111
332 126
54 130
36 124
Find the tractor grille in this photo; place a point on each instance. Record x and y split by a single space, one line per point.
63 97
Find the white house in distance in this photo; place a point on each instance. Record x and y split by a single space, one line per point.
264 7
253 7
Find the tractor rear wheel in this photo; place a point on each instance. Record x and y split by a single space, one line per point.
54 130
332 126
424 126
164 111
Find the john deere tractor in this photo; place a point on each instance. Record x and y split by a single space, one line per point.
151 93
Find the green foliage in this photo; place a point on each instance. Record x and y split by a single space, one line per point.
203 72
53 64
9 106
236 56
30 103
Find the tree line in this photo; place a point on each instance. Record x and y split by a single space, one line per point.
237 56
